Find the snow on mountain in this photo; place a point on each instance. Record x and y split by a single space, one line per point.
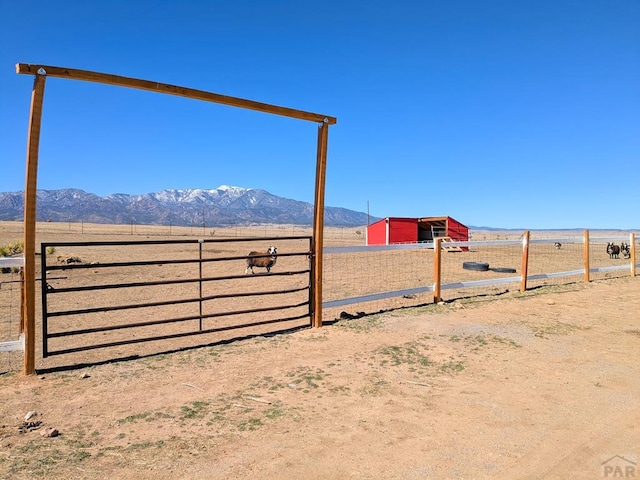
225 205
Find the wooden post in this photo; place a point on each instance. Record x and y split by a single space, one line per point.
318 223
437 270
632 246
29 298
525 261
586 257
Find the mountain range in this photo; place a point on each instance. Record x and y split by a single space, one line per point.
224 205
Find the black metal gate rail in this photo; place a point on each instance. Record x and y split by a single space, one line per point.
49 290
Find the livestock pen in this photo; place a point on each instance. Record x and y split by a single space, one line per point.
181 300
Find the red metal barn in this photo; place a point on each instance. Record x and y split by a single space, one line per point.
392 230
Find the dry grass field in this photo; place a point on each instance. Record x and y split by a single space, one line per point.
541 384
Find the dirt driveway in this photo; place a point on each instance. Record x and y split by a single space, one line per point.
544 384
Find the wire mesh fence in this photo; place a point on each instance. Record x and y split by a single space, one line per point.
383 277
485 266
369 279
609 264
11 340
551 261
10 297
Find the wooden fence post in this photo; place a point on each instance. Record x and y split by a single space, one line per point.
29 298
586 257
525 261
318 223
437 269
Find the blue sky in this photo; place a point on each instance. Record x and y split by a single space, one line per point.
514 114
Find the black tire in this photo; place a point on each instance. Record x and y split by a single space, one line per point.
503 270
476 266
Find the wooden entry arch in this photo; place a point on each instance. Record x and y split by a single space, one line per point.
41 72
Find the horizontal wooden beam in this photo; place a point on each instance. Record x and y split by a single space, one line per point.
74 74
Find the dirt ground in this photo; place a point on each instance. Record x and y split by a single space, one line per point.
542 384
